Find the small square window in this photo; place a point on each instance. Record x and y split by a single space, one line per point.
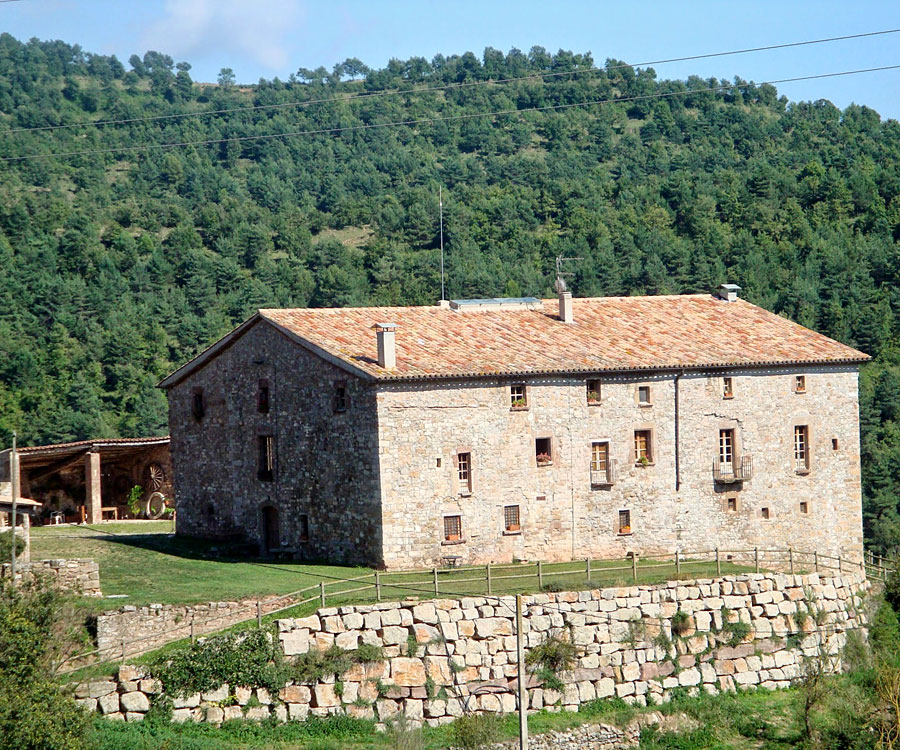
727 387
624 522
644 395
799 383
643 447
518 396
464 471
341 401
452 528
593 392
198 406
511 518
303 528
765 513
732 504
262 397
543 451
834 444
266 452
804 507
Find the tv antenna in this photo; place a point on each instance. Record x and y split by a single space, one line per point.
441 205
560 284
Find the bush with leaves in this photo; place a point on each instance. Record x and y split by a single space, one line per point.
476 731
5 544
38 628
551 658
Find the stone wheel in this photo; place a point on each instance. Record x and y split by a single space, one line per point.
156 506
156 477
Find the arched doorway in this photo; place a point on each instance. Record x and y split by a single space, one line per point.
270 528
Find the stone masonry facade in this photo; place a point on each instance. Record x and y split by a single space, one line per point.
465 654
307 453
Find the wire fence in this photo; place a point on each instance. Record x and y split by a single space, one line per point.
490 579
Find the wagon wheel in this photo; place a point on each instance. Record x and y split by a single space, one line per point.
155 505
156 477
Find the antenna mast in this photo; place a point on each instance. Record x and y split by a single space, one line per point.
441 204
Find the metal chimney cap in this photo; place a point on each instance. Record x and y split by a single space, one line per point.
730 287
385 327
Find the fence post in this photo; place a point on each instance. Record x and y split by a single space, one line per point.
791 559
123 649
677 563
756 558
258 614
587 569
816 558
489 579
718 563
840 564
434 574
377 586
540 576
322 592
634 559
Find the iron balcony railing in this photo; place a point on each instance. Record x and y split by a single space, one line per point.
607 476
729 472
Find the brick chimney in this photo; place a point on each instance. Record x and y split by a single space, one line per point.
387 349
729 292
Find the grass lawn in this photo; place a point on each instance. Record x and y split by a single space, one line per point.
754 719
144 562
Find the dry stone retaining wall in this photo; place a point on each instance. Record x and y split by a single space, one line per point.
465 657
81 575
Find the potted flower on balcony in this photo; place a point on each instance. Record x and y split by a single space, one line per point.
518 403
543 459
643 461
593 397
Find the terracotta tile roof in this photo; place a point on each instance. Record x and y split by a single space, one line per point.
609 333
95 443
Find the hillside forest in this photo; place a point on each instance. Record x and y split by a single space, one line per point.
119 264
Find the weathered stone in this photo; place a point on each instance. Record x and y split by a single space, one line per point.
134 702
407 672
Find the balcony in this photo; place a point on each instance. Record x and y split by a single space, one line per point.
605 477
731 472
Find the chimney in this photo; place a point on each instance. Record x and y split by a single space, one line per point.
729 292
565 307
387 350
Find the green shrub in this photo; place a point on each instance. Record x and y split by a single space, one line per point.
892 590
251 658
681 623
316 664
412 645
476 731
5 544
550 659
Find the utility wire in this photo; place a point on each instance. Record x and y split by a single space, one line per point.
432 120
444 87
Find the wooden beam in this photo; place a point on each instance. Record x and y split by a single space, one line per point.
56 466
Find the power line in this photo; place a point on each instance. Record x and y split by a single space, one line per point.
432 120
445 87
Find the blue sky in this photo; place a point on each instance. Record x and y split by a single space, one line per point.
268 38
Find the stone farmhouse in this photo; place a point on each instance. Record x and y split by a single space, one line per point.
491 430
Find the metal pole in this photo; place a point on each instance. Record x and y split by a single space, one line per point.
634 565
791 559
258 614
489 579
192 629
378 585
840 565
14 478
434 573
756 557
816 558
523 693
540 576
587 569
718 563
677 563
441 204
322 592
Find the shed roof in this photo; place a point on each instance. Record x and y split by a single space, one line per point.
666 332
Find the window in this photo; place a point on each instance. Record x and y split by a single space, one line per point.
726 450
731 504
262 397
438 462
543 451
303 528
643 447
799 383
518 396
593 391
266 465
801 448
834 444
765 513
600 467
624 521
464 471
541 498
804 507
198 407
511 518
727 387
644 395
452 528
340 399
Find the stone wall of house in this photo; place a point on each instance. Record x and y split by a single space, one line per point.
673 502
82 576
326 460
465 650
